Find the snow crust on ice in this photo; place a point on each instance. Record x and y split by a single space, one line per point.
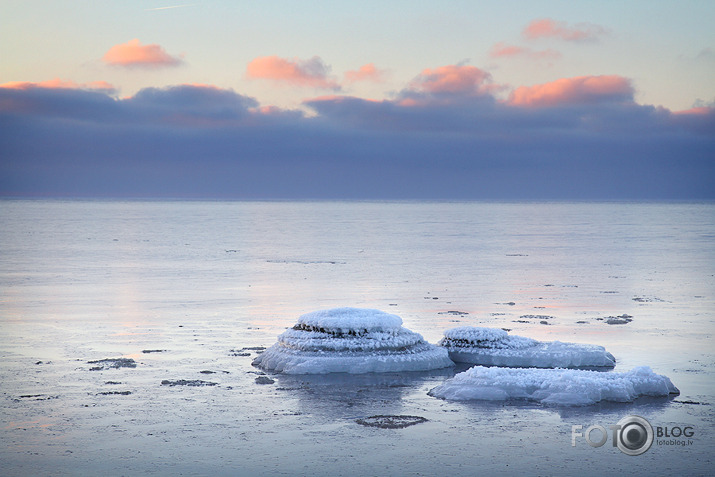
351 319
351 340
570 387
495 347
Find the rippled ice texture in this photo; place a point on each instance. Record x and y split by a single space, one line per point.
193 291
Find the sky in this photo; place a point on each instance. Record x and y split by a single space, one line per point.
453 100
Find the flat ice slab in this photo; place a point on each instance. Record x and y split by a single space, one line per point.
351 340
570 387
495 347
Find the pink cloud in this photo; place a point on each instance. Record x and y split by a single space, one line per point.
503 50
133 53
548 28
454 79
366 72
311 73
695 111
577 90
60 84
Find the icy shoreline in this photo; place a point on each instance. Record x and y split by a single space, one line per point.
163 417
205 287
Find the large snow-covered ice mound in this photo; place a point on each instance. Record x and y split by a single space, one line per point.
351 340
571 387
495 347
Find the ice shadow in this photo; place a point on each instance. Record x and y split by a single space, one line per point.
349 396
644 405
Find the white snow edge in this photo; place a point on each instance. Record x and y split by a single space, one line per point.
568 387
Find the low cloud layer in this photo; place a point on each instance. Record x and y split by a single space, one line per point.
446 135
60 84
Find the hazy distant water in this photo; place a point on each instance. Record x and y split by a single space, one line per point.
84 280
269 261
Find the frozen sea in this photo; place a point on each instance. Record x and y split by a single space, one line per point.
192 290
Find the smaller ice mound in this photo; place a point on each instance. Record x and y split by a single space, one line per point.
569 387
495 347
351 340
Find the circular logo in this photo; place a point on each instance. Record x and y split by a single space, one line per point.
635 435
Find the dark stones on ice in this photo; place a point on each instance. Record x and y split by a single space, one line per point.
619 320
391 422
245 351
644 299
36 397
187 382
536 317
112 363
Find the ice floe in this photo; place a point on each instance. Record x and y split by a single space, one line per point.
351 340
495 347
569 387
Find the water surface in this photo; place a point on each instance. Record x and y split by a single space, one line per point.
197 282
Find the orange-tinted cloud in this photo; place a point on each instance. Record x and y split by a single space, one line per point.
577 90
503 50
60 84
696 111
311 73
366 72
133 53
454 79
548 28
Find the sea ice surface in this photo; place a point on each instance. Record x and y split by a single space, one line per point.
495 347
351 340
570 387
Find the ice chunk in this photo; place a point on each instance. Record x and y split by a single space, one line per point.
495 347
350 320
569 387
351 340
